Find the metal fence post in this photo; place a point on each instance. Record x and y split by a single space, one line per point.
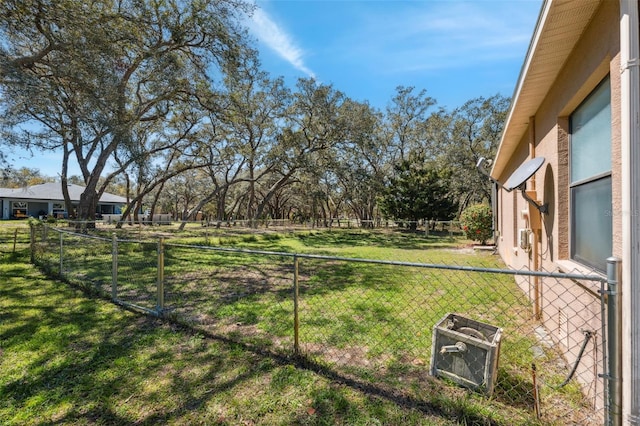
613 402
61 254
32 241
114 267
296 317
160 284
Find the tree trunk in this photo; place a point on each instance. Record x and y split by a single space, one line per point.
272 191
87 207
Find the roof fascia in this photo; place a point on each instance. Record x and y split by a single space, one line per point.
505 148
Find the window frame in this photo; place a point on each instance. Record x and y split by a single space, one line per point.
19 209
589 182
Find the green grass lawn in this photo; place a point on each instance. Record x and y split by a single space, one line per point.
365 335
70 359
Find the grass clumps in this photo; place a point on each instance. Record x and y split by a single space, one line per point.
69 359
365 333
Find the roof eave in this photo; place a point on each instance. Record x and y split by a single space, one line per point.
541 68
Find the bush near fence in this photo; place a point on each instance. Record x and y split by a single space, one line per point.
365 320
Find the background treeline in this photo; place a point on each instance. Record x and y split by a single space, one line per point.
166 104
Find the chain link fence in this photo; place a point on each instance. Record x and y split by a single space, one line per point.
14 236
374 322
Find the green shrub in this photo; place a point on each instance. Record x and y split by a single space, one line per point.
476 222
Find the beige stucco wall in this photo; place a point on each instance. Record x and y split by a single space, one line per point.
595 57
566 308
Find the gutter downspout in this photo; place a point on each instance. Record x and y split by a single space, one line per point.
535 225
630 140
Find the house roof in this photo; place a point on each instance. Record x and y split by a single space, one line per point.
560 25
53 191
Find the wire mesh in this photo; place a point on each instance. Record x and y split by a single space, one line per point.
359 320
240 295
47 248
375 321
14 237
85 259
137 274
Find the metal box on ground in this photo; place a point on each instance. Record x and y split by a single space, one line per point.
466 352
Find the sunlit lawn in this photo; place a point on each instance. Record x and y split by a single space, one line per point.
68 359
73 360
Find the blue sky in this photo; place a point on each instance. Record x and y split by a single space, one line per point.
456 50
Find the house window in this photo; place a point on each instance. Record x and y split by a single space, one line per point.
19 209
590 179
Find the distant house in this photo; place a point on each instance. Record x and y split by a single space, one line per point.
47 199
576 107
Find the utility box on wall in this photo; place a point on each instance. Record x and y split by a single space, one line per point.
466 352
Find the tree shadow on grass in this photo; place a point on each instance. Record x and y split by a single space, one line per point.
401 239
113 367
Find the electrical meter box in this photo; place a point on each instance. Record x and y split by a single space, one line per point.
466 352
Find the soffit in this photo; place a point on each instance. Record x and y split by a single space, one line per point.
560 26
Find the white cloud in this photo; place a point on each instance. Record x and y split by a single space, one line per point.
444 35
277 39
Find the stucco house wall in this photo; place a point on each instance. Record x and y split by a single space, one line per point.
47 199
595 57
566 309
